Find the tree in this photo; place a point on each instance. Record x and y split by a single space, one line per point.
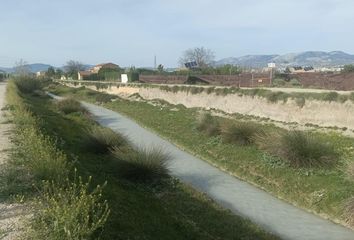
160 68
73 67
58 73
50 72
348 68
203 56
21 68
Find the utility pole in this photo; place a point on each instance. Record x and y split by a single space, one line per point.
155 63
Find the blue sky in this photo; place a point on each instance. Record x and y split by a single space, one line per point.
131 32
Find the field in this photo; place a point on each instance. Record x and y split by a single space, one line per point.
322 190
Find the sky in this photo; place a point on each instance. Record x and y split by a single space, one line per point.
132 32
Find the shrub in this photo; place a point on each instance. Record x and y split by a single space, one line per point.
274 97
39 154
300 102
142 164
208 124
331 96
242 133
278 82
102 140
301 149
351 96
294 82
70 105
104 98
27 84
67 212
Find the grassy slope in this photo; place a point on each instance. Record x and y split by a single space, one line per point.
321 191
173 211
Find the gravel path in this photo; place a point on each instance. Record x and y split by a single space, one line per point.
10 214
244 199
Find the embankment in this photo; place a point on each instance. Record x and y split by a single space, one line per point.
301 108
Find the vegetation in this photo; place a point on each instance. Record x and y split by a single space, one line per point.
27 84
322 188
70 105
69 211
102 140
142 164
206 123
348 68
37 158
242 133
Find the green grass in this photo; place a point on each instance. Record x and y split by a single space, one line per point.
242 133
323 191
168 210
209 125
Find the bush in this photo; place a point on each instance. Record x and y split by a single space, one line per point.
301 149
331 96
294 82
102 140
300 102
27 84
208 124
274 97
70 105
142 164
104 98
242 133
278 82
68 212
38 153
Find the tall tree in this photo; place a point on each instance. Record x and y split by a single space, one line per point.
73 67
21 68
50 72
202 56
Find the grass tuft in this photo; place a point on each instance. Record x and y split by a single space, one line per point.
242 133
142 164
301 149
208 124
101 140
70 105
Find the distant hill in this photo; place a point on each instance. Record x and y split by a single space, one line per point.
309 58
35 67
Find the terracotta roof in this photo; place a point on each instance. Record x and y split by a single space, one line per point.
83 73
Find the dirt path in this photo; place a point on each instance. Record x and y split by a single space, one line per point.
244 199
10 214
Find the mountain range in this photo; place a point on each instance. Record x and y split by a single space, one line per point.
309 58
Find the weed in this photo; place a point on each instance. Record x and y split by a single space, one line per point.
330 97
241 133
303 149
27 84
69 211
142 164
104 98
208 124
70 105
102 140
300 102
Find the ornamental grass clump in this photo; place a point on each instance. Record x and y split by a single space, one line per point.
101 140
142 164
241 133
70 105
208 124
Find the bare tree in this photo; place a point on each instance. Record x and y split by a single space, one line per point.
21 68
203 56
73 67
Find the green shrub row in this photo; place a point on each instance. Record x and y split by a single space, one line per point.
63 208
